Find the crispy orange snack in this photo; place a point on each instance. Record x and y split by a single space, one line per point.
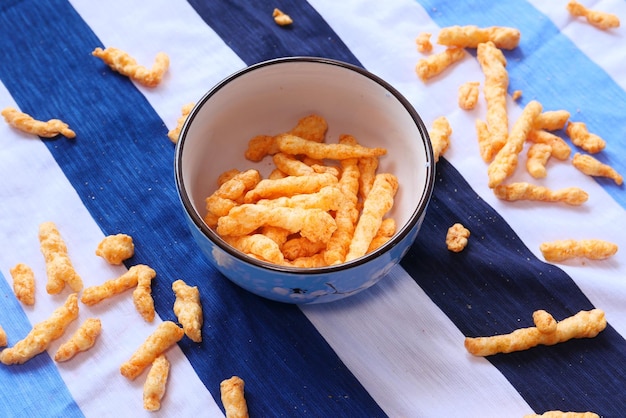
124 64
258 245
471 36
295 145
23 283
593 167
544 322
289 186
166 335
112 287
260 146
585 324
42 333
59 268
230 194
116 248
281 18
385 232
537 158
516 95
594 249
188 309
559 148
527 191
311 127
28 124
505 161
155 384
581 137
142 295
301 247
327 198
599 19
82 340
435 64
174 133
468 95
457 237
423 42
552 120
232 394
3 337
440 136
561 414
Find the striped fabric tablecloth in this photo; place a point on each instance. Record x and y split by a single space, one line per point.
395 349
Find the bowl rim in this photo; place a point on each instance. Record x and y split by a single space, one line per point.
414 218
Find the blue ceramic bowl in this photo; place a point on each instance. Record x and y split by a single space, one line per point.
269 98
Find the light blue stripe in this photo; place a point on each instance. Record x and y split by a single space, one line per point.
545 62
38 375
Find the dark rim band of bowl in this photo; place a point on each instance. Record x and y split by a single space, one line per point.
217 240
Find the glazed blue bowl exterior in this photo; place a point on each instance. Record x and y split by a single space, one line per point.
207 134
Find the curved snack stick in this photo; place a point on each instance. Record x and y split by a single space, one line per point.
82 340
594 249
23 283
258 245
295 145
379 201
289 165
174 133
231 193
471 36
599 19
301 247
43 333
544 322
3 337
561 414
422 42
112 287
585 324
537 158
232 394
468 95
155 384
311 127
166 335
260 146
580 136
435 64
327 198
493 64
289 186
28 124
560 149
593 167
188 309
124 64
440 136
142 295
384 234
505 161
527 191
281 18
552 120
116 248
58 265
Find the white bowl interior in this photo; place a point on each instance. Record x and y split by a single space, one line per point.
270 99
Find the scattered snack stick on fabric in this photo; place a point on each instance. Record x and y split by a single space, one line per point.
83 339
516 95
23 283
561 414
581 137
544 322
142 295
439 133
116 248
593 249
175 133
3 337
166 335
505 161
471 36
59 268
28 124
188 309
423 42
537 158
468 95
156 383
233 399
281 18
436 64
552 120
527 191
95 294
585 324
599 19
42 333
593 167
126 65
559 147
457 237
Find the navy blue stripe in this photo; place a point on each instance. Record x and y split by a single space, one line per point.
121 165
494 285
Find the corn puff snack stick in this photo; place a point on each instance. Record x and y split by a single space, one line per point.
560 149
58 265
594 249
327 198
260 146
468 95
457 238
440 136
174 133
505 161
142 295
471 36
43 333
188 309
112 287
493 64
289 186
301 247
377 204
116 248
552 120
384 234
155 384
311 127
231 193
527 191
289 165
258 245
82 340
281 18
124 64
599 19
544 322
294 145
3 337
561 414
585 324
232 394
581 137
422 42
367 170
537 158
23 283
593 167
166 335
435 64
28 124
